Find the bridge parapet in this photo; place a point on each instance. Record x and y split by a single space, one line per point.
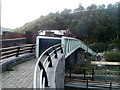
72 44
12 56
47 67
48 71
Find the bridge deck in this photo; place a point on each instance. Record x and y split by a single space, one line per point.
20 77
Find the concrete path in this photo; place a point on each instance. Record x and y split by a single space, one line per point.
21 77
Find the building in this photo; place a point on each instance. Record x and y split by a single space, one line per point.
56 33
52 33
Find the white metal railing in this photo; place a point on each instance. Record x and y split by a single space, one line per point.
69 45
72 44
43 63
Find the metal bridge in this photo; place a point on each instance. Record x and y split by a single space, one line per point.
47 66
47 70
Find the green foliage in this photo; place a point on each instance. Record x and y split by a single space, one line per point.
112 56
112 46
66 11
95 24
98 47
9 68
92 7
79 9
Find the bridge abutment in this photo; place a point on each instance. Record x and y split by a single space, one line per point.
60 73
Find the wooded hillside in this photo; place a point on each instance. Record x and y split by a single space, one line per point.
97 25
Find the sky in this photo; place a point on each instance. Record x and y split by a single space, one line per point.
15 13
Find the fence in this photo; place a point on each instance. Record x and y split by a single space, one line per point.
43 62
17 50
107 73
92 78
13 42
94 84
80 73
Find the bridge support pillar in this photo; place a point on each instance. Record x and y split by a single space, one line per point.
60 73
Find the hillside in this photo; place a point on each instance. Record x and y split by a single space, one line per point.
98 26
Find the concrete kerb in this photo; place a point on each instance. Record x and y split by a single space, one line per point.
13 61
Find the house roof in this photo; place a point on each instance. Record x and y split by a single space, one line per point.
57 32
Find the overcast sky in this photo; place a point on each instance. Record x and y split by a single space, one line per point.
15 13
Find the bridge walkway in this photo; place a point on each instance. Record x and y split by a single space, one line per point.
20 77
23 74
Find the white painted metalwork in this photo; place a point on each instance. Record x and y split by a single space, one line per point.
69 45
43 83
41 72
72 44
45 65
45 60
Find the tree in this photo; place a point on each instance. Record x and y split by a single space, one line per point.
101 6
92 7
66 11
110 6
80 29
116 4
100 47
79 9
98 26
112 56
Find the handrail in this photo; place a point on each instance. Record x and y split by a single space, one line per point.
43 66
72 44
17 50
25 45
89 83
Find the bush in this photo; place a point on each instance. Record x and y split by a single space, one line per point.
9 68
100 47
112 46
113 56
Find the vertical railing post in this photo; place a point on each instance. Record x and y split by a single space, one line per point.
110 85
0 54
55 52
61 50
18 51
87 83
84 74
31 48
49 59
44 73
93 74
